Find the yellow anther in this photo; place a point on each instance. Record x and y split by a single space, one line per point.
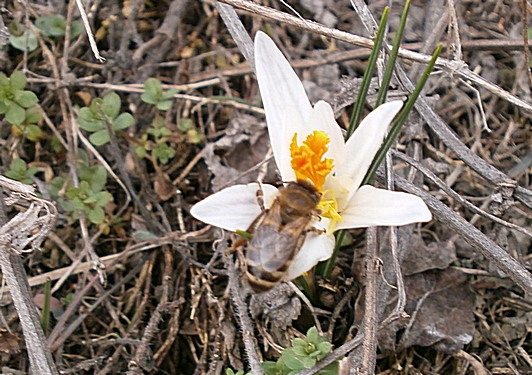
308 161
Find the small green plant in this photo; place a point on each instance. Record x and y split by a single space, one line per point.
154 94
239 372
155 142
14 100
19 170
101 115
22 38
55 26
90 197
303 354
186 126
29 128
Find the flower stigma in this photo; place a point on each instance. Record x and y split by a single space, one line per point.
308 163
307 160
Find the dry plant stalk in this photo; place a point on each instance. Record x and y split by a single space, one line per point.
26 230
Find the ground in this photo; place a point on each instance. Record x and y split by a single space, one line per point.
124 170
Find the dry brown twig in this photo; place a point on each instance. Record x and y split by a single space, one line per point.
26 229
450 66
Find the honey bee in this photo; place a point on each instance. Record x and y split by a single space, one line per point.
278 233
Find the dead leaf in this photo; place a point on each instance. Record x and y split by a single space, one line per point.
279 306
420 257
163 186
9 343
244 145
440 305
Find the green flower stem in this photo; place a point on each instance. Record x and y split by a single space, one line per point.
306 284
328 267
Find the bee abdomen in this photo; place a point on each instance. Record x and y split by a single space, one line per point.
261 280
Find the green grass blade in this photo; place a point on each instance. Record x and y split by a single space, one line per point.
368 74
390 64
45 314
398 122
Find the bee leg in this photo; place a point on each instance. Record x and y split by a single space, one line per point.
260 197
314 230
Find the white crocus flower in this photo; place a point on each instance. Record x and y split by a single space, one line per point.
307 144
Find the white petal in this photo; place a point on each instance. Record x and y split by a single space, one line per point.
362 146
322 118
281 90
233 208
316 248
371 206
281 151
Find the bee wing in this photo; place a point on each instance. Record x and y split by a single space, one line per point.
272 248
274 245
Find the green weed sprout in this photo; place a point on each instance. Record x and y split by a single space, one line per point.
55 26
14 100
102 115
19 171
154 94
303 354
239 372
90 197
22 38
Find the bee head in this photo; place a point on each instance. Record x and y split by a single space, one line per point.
297 199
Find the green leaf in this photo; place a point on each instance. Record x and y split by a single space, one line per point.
31 132
144 235
297 342
308 362
54 25
111 105
164 105
18 170
300 350
169 94
274 368
293 362
368 73
103 197
17 81
27 41
15 114
4 81
332 369
88 122
123 121
97 177
18 165
76 28
185 124
100 137
96 215
26 99
164 153
152 91
324 347
55 186
66 205
140 151
312 335
33 114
